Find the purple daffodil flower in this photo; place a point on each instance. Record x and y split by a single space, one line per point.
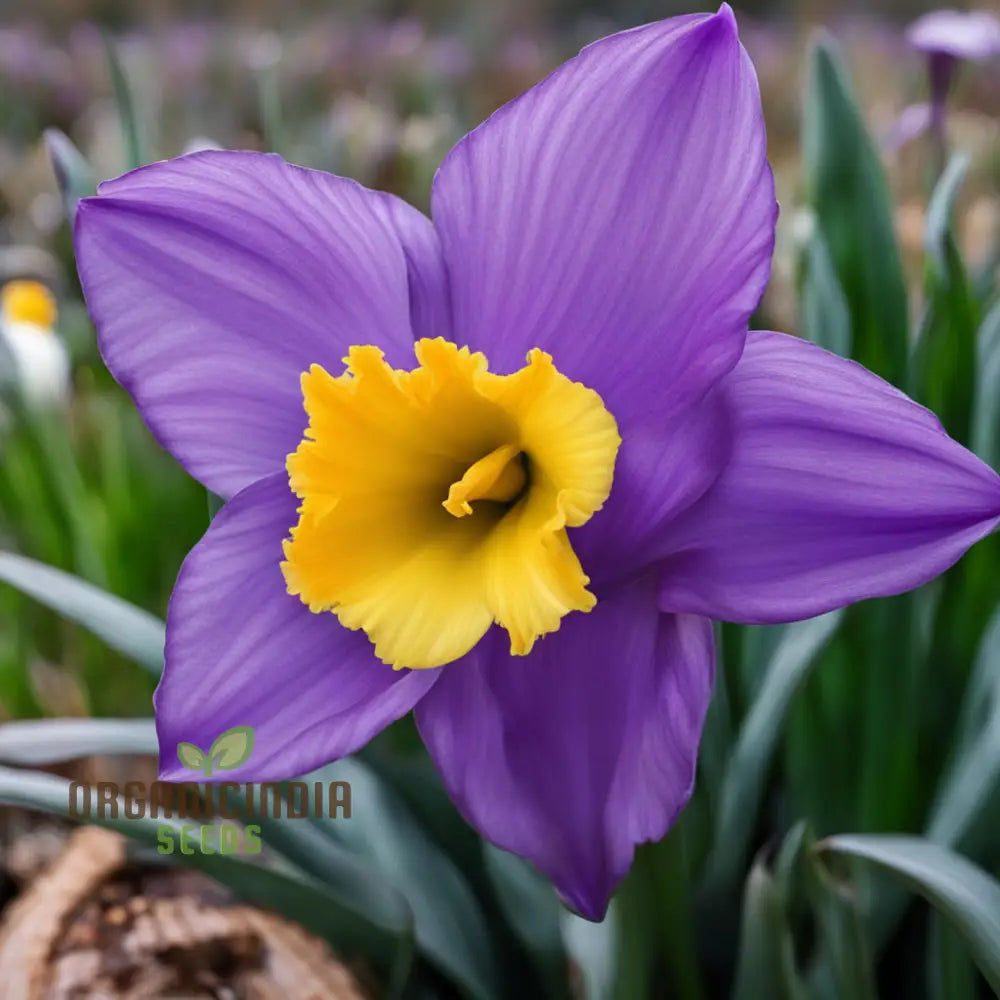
945 37
538 549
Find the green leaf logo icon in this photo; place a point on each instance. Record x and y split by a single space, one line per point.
190 756
227 752
232 748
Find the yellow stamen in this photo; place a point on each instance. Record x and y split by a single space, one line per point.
28 302
517 458
499 476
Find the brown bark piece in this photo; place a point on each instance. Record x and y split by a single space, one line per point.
93 927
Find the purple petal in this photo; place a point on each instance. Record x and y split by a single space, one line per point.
840 488
216 279
662 469
430 305
913 121
576 753
964 35
242 652
619 215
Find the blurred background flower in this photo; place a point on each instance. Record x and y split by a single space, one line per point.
946 37
39 365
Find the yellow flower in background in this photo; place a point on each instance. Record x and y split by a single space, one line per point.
28 315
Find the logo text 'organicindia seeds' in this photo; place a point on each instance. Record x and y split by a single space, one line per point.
224 800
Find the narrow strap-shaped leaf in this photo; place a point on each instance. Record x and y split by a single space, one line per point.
943 369
849 193
825 313
49 741
126 107
743 784
766 960
449 925
950 972
215 504
73 173
966 896
125 628
533 912
986 407
974 773
940 210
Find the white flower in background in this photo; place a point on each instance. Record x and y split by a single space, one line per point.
421 135
199 143
365 130
38 356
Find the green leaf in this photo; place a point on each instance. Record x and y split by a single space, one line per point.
950 972
986 409
50 741
125 628
73 173
985 277
215 504
966 896
718 732
938 229
269 103
191 756
850 197
636 942
766 960
10 386
840 962
398 760
667 867
826 315
843 939
449 926
963 790
232 748
532 910
943 375
981 699
126 108
356 911
974 773
882 705
743 784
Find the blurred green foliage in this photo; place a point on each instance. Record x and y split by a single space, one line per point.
94 495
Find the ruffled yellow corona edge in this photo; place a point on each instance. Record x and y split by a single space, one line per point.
435 501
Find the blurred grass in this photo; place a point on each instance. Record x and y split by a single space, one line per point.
91 492
95 496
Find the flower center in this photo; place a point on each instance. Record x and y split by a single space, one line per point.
435 502
501 475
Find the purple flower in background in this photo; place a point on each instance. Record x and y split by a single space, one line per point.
22 55
187 52
539 547
913 121
945 37
956 34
